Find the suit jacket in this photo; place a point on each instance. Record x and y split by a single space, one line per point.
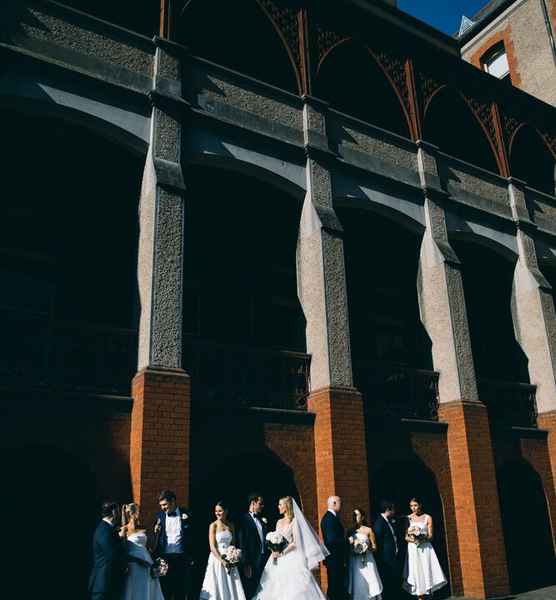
334 537
386 542
249 540
161 539
109 561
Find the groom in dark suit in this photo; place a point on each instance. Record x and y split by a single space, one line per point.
109 564
252 541
335 540
389 550
174 543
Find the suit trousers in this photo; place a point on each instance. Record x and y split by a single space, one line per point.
250 585
335 570
175 584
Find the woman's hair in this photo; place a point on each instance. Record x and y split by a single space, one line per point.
363 516
130 512
287 500
223 505
418 500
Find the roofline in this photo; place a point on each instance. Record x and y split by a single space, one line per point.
483 22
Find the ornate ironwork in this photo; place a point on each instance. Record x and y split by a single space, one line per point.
509 404
510 125
228 377
396 391
483 111
394 66
325 40
428 86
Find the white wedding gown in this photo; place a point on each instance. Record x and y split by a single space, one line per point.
289 578
139 584
363 580
218 583
422 573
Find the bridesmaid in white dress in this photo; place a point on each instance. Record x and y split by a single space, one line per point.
363 579
219 583
139 584
422 572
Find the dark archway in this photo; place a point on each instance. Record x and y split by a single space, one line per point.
451 125
68 254
527 528
531 161
351 80
240 36
400 481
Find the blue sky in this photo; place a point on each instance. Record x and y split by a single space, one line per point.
442 14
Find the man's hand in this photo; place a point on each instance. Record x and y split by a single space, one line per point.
248 570
157 526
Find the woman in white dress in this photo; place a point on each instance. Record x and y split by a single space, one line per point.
287 574
422 572
221 583
364 582
139 583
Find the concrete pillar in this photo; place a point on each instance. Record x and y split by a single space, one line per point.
340 448
161 408
476 511
535 329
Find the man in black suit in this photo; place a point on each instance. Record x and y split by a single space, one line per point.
107 576
252 541
174 543
335 540
389 550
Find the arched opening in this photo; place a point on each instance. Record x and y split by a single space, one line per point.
531 561
391 350
68 254
500 364
143 17
353 83
531 161
450 125
399 481
240 36
50 493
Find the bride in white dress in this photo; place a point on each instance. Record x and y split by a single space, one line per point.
221 583
422 572
139 584
364 582
287 575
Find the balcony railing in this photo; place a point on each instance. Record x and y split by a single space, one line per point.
228 377
509 404
395 391
66 356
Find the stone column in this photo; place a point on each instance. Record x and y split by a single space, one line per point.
340 447
443 313
159 452
535 329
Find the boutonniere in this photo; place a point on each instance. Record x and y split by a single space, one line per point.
184 516
264 520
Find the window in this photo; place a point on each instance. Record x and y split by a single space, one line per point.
495 62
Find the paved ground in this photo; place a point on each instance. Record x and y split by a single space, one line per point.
548 593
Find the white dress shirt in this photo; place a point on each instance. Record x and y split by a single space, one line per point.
173 534
331 510
259 527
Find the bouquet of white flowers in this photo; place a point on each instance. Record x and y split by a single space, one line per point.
360 548
275 542
159 568
231 557
416 535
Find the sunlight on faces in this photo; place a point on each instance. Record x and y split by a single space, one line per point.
415 507
257 506
335 503
168 505
358 516
220 513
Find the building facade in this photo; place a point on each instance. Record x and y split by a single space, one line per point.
515 40
299 248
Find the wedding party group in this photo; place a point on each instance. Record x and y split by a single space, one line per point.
248 561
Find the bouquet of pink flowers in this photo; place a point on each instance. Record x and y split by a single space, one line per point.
231 557
416 535
275 542
159 568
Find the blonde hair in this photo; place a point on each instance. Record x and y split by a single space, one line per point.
130 515
287 500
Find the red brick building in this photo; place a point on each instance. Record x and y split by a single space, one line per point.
290 246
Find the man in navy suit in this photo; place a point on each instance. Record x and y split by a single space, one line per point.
389 550
173 543
335 540
252 541
107 576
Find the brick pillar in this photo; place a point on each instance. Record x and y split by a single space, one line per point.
159 444
475 494
340 446
535 324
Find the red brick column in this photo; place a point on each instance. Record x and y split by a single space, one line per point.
546 463
160 438
477 508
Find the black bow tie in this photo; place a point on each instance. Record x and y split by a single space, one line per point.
255 516
172 514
